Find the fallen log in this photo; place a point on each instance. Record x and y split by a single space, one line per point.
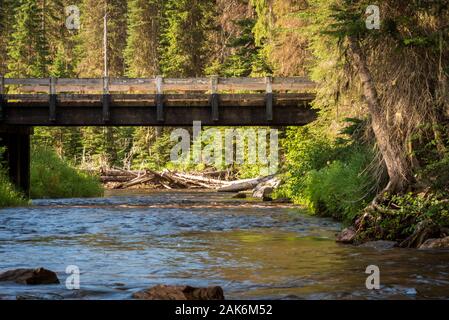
139 180
106 179
117 173
243 185
176 180
198 184
168 176
194 178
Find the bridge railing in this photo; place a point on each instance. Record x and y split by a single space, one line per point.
156 85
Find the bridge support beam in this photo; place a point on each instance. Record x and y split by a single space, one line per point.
15 143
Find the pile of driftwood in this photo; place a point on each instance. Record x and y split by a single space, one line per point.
123 179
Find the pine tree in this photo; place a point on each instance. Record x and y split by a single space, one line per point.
6 23
184 41
62 40
141 53
239 26
90 48
28 47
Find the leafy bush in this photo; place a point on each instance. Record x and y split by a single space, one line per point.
399 216
328 173
51 177
341 189
9 196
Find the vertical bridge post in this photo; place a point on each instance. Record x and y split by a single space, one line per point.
52 100
269 98
16 155
106 100
215 98
160 99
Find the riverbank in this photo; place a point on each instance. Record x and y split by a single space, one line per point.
414 220
341 175
51 177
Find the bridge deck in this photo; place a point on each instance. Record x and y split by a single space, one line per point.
156 102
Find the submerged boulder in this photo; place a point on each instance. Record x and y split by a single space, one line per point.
380 245
442 243
30 276
347 236
240 195
162 292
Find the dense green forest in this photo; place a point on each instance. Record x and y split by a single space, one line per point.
377 157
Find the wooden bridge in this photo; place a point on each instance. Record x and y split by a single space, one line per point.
25 103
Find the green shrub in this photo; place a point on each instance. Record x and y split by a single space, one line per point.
51 177
327 173
341 189
399 215
305 150
9 196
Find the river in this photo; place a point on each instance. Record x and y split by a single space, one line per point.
131 240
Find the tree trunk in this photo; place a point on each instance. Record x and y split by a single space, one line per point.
398 168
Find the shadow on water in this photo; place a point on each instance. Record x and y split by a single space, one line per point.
131 240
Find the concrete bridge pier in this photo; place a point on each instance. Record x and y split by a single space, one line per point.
15 146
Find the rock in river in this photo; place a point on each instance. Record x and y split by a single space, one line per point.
442 243
30 276
346 236
380 245
240 195
263 193
162 292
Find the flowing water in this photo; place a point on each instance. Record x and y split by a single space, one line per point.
129 241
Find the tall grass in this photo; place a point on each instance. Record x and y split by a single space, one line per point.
341 189
51 177
9 196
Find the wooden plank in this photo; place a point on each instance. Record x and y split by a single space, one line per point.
80 82
87 115
70 85
184 99
187 84
293 83
32 89
132 85
234 84
15 81
133 81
